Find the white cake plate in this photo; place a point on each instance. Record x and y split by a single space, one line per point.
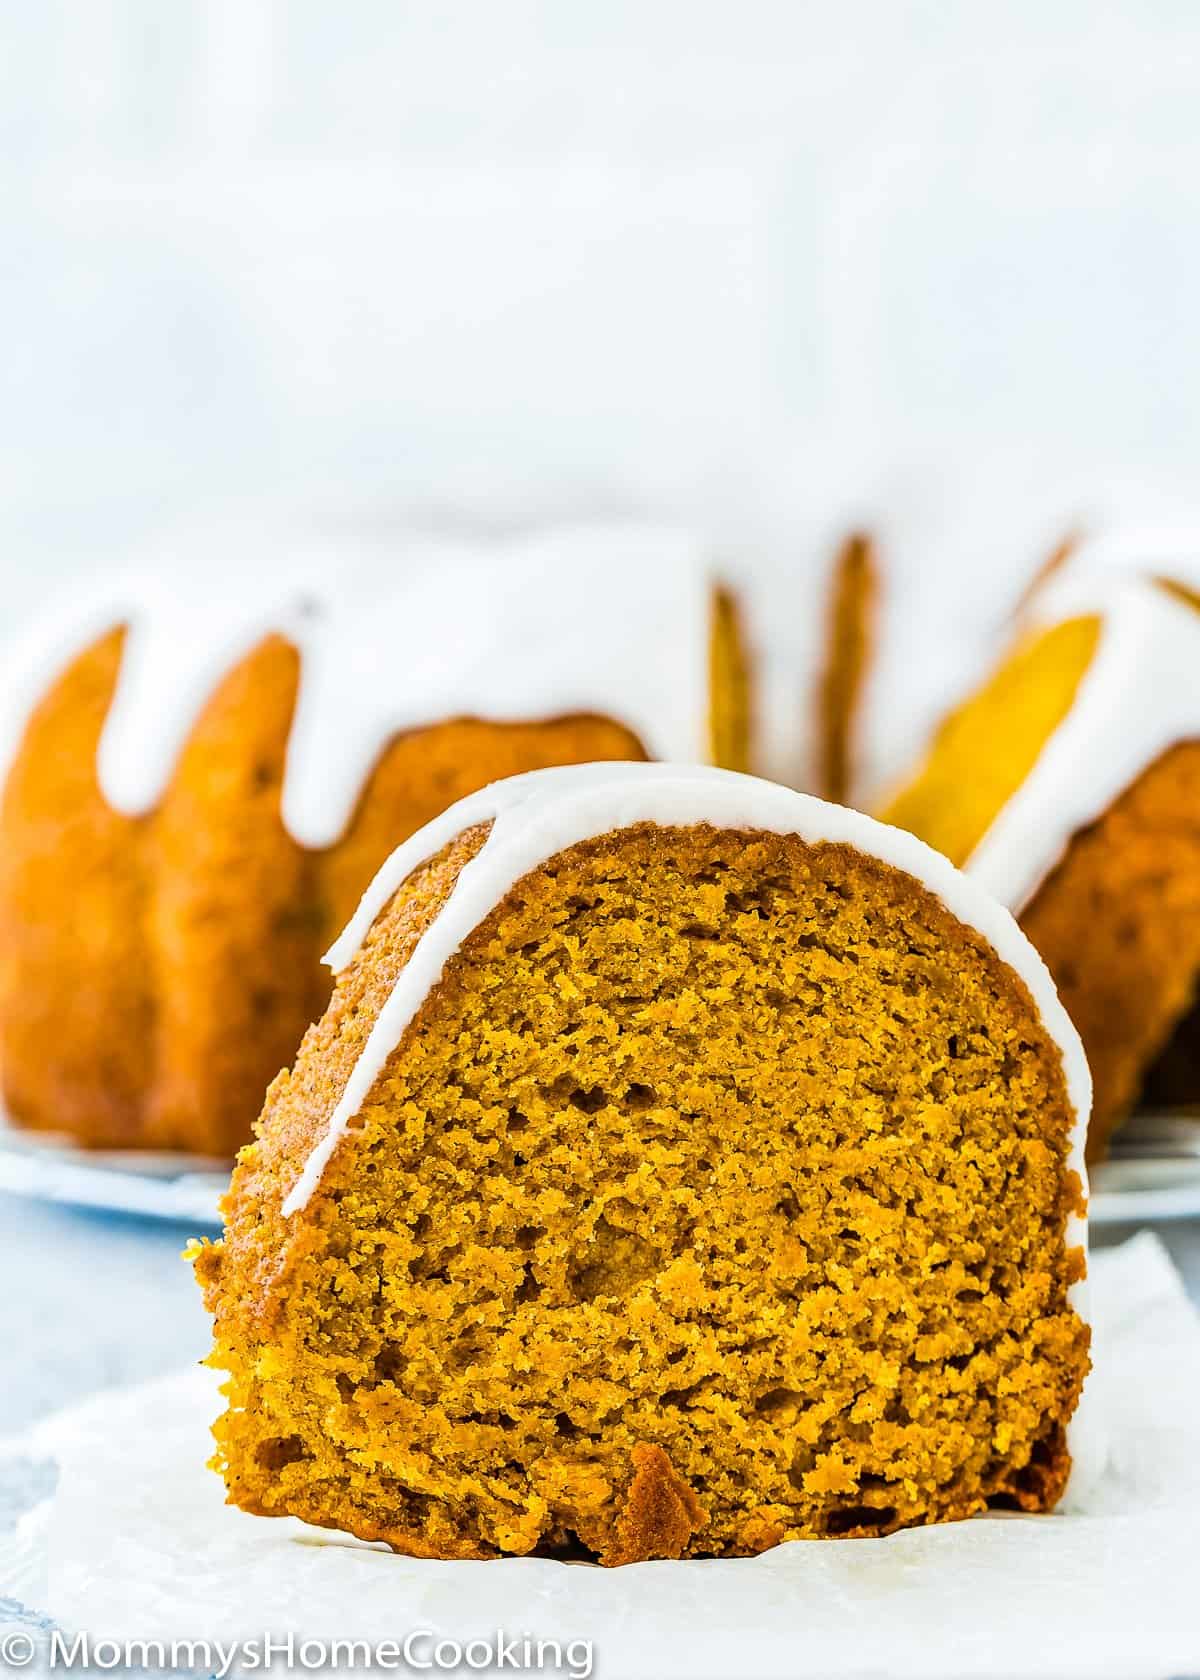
1153 1171
176 1187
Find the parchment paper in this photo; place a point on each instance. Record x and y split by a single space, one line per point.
139 1544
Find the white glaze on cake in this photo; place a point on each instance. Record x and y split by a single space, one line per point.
1139 696
1133 552
607 620
536 816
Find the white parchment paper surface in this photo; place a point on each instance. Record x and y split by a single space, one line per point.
137 1543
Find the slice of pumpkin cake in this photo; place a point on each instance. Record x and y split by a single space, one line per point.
682 1166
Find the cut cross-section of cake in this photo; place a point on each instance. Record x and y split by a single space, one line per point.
683 1165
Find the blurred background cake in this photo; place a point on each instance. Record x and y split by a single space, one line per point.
1069 786
203 778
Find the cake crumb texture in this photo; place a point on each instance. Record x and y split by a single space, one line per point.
717 1196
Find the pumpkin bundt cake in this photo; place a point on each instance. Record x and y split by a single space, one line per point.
682 1166
1069 786
201 784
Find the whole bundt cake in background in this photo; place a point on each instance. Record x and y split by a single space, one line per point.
1069 786
202 779
682 1166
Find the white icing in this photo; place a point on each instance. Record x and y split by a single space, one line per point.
536 816
1134 551
609 620
1139 696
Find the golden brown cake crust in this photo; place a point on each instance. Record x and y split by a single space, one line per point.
76 1006
660 1514
231 931
1118 923
732 721
715 1197
156 973
850 636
